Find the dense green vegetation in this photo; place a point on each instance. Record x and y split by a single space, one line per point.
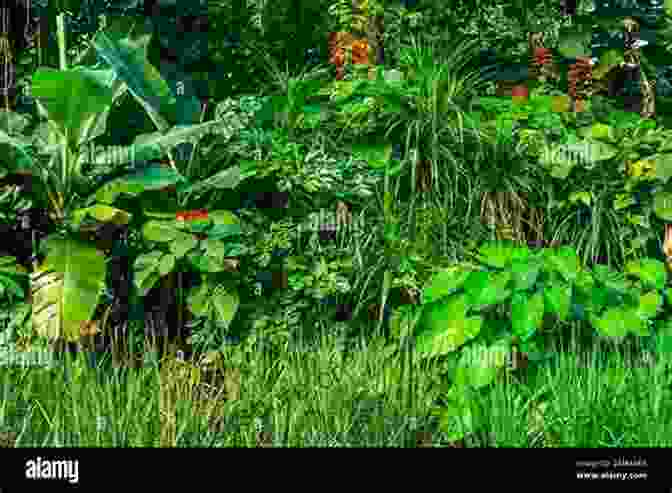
246 251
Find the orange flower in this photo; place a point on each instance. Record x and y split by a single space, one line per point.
360 52
338 58
358 48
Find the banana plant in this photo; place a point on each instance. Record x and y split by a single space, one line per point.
76 103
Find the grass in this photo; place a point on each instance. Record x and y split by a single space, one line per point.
330 397
371 395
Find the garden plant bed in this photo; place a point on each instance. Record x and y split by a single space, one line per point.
398 254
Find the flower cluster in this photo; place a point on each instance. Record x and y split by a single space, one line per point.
542 56
580 79
541 65
191 215
339 43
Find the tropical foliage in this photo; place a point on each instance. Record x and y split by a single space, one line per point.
358 213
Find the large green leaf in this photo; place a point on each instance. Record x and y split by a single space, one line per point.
663 166
527 313
225 225
563 260
662 205
159 231
224 305
618 322
479 364
223 180
212 260
487 288
650 271
47 136
496 254
215 254
128 58
215 302
597 299
598 131
223 218
474 284
46 287
560 159
102 213
557 299
649 305
119 155
96 125
73 98
183 243
198 300
525 273
166 264
592 150
147 179
664 337
612 279
444 326
73 295
146 273
167 139
445 283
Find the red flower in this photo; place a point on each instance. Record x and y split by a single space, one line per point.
542 56
191 215
520 93
199 214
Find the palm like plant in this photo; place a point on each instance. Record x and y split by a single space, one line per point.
506 178
438 93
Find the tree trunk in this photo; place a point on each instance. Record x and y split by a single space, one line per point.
375 41
647 104
423 175
48 51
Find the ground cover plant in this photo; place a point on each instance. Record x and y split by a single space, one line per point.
359 251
